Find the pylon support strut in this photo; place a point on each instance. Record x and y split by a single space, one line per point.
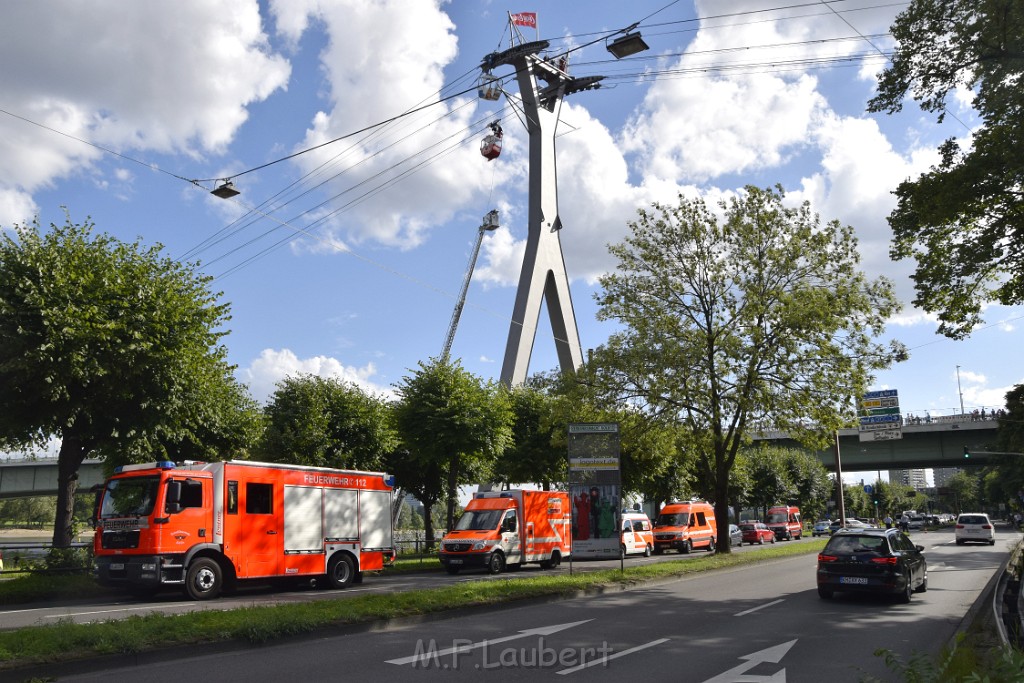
543 278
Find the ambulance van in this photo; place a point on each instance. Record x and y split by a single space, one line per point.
637 534
685 526
503 528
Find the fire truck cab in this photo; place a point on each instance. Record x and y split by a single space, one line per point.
205 526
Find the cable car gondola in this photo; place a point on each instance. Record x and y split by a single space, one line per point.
489 87
490 146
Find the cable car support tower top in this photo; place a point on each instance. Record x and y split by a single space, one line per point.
542 85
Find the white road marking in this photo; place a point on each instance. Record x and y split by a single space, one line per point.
754 609
605 660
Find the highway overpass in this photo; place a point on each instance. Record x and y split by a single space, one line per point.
21 478
939 443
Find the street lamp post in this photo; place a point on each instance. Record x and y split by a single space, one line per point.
961 391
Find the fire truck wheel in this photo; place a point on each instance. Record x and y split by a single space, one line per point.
711 546
496 564
204 579
340 571
687 546
647 551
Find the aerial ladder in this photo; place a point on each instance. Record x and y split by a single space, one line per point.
490 223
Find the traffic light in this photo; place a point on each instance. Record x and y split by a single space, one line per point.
967 452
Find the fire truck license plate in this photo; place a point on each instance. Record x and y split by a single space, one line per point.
456 561
117 566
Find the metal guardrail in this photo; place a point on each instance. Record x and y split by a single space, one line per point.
25 557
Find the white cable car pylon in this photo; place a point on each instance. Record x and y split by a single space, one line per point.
490 223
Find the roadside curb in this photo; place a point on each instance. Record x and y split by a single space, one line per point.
984 607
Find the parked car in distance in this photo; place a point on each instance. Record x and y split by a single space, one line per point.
756 532
917 522
872 561
974 526
637 534
821 528
850 524
735 536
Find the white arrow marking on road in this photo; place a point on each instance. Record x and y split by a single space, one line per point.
461 649
773 655
603 661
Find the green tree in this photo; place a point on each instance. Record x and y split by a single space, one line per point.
326 422
1007 486
962 220
770 480
761 318
114 349
963 490
651 461
453 425
533 454
811 481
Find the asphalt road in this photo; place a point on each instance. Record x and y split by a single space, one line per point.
174 601
763 622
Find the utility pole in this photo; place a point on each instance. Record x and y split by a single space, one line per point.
542 85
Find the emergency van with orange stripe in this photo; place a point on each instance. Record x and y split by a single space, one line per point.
509 528
205 526
685 526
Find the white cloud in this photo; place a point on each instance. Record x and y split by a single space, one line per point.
382 59
273 366
16 207
165 76
697 129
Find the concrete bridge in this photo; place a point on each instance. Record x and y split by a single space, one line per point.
23 478
939 443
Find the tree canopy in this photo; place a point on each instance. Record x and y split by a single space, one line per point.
963 220
326 422
115 350
452 426
758 318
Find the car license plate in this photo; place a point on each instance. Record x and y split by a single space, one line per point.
117 566
858 580
455 561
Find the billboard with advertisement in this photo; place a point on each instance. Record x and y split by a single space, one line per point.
595 489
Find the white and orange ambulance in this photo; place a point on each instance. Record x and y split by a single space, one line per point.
203 526
502 528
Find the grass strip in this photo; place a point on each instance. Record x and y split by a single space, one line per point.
66 640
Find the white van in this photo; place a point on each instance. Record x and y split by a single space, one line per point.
637 534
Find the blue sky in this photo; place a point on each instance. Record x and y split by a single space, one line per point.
346 260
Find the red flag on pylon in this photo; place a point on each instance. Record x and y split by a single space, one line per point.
528 19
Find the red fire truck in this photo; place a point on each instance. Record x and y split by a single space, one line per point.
203 526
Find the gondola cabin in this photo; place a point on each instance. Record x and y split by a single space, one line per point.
489 87
490 146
